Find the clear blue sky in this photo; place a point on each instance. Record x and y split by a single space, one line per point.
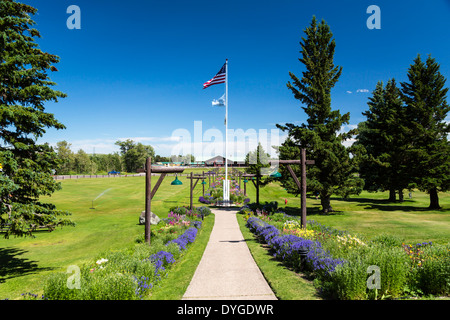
136 68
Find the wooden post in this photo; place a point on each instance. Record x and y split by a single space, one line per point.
301 185
303 172
240 174
203 185
257 189
191 205
148 198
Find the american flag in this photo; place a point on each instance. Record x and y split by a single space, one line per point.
220 77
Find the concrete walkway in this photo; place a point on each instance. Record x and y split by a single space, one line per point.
227 270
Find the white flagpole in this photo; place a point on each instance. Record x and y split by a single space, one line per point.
227 194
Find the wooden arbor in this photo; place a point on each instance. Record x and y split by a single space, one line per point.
196 177
301 186
149 193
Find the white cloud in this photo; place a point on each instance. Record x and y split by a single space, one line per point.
151 139
349 92
362 90
346 128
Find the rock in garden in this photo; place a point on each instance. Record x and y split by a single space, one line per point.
154 219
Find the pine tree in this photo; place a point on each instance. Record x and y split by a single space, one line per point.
383 165
256 161
320 136
25 87
426 108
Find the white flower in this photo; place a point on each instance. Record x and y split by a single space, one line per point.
99 262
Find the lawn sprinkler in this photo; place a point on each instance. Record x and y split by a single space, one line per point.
101 194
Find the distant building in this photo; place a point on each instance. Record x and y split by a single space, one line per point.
219 161
197 164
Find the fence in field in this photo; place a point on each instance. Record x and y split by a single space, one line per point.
139 174
81 176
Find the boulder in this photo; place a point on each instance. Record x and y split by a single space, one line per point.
154 219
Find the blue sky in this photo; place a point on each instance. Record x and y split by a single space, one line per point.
136 68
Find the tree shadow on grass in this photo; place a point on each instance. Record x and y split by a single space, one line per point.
310 211
11 265
384 204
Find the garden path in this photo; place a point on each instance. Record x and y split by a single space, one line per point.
227 270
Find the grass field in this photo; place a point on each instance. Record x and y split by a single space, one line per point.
113 224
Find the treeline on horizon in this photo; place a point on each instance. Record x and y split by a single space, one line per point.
132 156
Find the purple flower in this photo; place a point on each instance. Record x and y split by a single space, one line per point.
183 240
288 248
197 224
203 200
142 286
161 259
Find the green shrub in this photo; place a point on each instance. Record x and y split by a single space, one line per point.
349 280
393 264
432 275
245 211
103 285
56 288
388 240
205 211
180 210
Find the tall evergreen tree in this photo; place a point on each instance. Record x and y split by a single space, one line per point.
255 162
383 164
321 135
24 89
426 108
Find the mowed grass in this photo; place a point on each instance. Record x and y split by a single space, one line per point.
370 214
113 225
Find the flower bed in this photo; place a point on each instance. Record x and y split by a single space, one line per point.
215 192
131 274
339 262
288 248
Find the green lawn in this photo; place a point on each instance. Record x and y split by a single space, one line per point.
371 214
113 224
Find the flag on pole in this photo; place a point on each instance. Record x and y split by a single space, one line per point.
220 102
220 77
